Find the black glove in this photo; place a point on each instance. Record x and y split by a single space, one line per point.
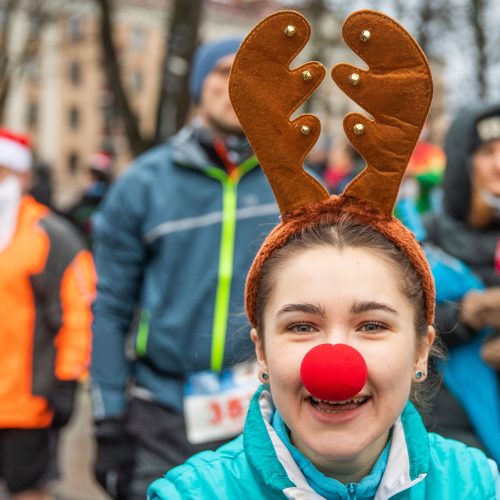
62 402
115 457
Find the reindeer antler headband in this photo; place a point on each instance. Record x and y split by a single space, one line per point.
396 90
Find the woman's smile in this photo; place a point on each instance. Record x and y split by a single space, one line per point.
337 412
337 406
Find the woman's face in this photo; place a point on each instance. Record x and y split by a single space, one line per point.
349 296
486 167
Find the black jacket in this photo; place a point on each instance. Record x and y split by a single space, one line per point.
451 231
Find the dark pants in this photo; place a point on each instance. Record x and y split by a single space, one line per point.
160 444
27 458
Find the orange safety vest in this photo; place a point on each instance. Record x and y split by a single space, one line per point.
47 284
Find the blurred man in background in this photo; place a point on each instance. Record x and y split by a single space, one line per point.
468 406
174 240
47 283
100 176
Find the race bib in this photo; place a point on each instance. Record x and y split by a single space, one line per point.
216 404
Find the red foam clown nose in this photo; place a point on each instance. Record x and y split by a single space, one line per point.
333 372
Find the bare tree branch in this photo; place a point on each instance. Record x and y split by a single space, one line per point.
14 65
137 142
182 33
4 55
477 14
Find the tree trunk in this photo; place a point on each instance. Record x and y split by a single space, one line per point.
4 56
182 40
477 15
315 12
425 16
136 141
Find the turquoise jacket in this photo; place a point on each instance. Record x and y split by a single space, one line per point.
257 465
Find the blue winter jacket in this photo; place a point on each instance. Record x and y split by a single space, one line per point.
258 465
174 240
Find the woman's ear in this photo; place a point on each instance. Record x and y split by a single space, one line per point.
424 347
261 358
259 349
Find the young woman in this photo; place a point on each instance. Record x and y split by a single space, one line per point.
347 284
340 298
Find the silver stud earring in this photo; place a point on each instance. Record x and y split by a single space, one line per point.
419 374
265 376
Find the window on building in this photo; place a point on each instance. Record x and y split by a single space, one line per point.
74 117
75 31
138 38
35 22
32 115
137 81
32 68
73 161
75 73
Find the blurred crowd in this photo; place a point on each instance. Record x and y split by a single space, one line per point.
138 288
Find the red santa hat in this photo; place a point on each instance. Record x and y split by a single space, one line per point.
101 161
15 151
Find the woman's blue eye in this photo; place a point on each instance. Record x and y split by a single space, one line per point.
301 328
373 327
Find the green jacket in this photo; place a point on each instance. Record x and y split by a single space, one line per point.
257 465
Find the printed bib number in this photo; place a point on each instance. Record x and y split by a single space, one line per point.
216 404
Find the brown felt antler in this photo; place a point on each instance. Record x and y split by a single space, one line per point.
396 90
265 92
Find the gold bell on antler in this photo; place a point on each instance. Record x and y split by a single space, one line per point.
290 30
306 75
354 79
305 130
359 129
365 35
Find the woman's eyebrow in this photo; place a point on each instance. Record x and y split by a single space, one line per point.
304 308
371 305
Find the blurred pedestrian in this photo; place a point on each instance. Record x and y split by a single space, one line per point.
99 179
174 239
47 283
468 407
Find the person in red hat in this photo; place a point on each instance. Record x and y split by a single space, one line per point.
47 282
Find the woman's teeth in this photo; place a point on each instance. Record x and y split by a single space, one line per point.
337 406
358 399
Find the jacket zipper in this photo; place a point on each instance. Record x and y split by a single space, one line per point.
226 256
225 273
351 491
